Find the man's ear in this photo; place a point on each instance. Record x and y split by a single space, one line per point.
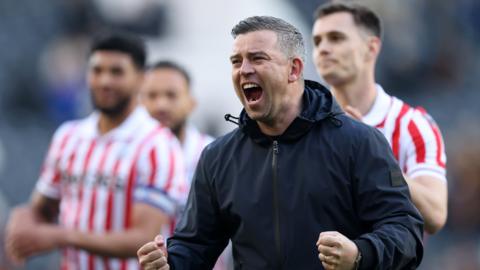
140 80
296 69
192 105
374 46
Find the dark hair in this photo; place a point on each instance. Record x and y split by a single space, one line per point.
166 64
121 42
290 39
362 15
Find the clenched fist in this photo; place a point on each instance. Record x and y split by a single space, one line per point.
336 251
153 255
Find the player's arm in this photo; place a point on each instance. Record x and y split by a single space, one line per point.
40 209
25 223
147 222
429 194
43 208
425 175
27 237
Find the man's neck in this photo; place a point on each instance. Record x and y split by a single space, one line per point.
180 134
283 120
357 94
107 122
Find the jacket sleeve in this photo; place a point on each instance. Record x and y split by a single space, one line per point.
394 225
198 239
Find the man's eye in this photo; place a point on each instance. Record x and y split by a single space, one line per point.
96 70
116 71
336 38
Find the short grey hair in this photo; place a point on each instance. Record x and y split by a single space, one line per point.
289 37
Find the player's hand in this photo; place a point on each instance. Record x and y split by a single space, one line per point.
153 255
353 112
31 239
336 251
20 218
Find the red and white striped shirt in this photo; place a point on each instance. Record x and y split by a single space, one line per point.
98 178
192 148
414 136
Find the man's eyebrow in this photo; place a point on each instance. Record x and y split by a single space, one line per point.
261 54
335 32
255 53
250 54
329 32
234 56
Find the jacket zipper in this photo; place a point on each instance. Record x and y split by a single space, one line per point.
275 202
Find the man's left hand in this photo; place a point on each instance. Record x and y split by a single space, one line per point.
336 251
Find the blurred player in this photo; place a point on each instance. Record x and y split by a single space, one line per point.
112 179
347 41
167 96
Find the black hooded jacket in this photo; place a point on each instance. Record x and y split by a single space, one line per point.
273 196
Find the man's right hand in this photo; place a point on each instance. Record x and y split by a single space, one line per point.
21 218
153 255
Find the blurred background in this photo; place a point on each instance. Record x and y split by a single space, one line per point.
430 57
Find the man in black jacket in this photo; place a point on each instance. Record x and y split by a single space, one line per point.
298 181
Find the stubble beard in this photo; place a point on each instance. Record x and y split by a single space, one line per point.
115 110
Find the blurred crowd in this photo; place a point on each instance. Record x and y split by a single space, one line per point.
430 56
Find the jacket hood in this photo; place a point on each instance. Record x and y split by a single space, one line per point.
318 105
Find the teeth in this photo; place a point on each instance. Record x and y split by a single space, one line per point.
250 85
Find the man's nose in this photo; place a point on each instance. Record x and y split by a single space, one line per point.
105 79
246 68
324 48
161 103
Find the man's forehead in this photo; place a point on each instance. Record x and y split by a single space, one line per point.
339 22
167 75
162 72
255 41
111 57
163 79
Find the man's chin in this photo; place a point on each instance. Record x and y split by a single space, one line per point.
112 111
256 115
333 78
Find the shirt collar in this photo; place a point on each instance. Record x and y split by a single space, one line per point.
123 131
380 108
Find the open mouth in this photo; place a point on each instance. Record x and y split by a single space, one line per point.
252 91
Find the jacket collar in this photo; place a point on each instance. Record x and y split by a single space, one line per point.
318 104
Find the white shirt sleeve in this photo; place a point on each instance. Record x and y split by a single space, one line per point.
424 150
49 182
